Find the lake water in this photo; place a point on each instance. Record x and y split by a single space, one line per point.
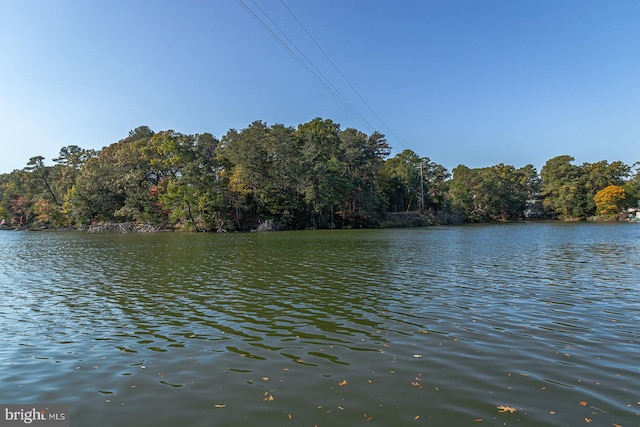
439 326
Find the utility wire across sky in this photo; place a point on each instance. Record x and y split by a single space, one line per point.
272 28
341 73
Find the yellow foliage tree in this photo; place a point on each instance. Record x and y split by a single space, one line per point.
238 182
609 199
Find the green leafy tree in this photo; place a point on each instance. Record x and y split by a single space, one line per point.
207 175
562 188
41 173
284 190
495 193
116 185
410 182
95 196
569 190
315 175
632 187
13 186
597 176
320 140
361 158
400 181
245 154
466 193
74 157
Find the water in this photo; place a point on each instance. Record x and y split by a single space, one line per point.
438 326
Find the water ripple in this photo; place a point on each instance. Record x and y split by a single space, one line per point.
438 325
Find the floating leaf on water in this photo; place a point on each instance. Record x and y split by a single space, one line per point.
504 408
171 385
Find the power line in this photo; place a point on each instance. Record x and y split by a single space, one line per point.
308 65
353 109
340 72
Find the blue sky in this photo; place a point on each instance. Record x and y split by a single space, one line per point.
473 82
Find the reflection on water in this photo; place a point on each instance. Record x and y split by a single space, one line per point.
435 326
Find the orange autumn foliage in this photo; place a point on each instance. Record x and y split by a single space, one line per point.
608 200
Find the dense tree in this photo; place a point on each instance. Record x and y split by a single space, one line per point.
315 175
15 191
74 157
360 158
41 173
410 182
206 176
632 187
246 156
562 187
597 176
569 190
319 141
283 193
115 185
498 192
95 196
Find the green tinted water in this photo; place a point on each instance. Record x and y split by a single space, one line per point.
435 326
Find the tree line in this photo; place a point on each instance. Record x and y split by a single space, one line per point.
316 175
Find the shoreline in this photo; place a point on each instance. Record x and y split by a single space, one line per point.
392 220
